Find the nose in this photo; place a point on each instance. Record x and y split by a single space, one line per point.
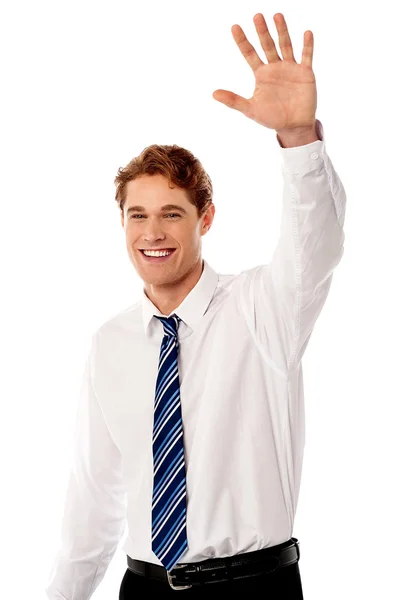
153 231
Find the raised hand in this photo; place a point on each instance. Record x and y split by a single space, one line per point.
285 96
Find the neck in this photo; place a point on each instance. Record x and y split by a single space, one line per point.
168 297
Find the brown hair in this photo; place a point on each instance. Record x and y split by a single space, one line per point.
179 165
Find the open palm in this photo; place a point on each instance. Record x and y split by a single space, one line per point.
285 94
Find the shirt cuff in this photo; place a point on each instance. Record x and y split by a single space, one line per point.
301 159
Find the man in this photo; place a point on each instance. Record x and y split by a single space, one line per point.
191 418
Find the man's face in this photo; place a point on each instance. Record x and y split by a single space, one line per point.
150 223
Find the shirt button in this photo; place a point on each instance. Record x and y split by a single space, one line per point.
314 155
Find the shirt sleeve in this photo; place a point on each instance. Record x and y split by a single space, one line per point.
95 505
282 300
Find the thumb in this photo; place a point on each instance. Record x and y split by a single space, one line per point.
232 100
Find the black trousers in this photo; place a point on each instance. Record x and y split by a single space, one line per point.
282 584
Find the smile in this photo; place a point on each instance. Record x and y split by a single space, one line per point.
157 259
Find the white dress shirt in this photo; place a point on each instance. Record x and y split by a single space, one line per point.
242 338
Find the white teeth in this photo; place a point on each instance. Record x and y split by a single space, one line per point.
155 253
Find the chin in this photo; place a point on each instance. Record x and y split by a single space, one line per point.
160 279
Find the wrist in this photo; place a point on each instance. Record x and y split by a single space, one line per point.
297 136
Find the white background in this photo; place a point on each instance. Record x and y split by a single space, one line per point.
85 87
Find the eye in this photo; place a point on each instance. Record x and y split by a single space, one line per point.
135 216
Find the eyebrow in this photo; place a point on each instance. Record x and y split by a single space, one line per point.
166 207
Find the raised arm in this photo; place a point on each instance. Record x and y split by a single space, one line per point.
282 300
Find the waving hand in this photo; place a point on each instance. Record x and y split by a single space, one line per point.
285 95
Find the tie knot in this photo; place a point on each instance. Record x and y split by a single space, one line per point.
170 324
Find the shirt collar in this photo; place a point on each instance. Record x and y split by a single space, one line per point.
193 306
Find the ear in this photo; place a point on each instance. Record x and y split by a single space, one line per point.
208 219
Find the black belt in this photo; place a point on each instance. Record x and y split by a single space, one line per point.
213 570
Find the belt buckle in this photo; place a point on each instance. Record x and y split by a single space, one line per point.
170 580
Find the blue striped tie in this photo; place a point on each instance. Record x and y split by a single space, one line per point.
169 538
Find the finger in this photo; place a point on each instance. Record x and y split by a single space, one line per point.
266 40
232 100
308 46
284 39
247 50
